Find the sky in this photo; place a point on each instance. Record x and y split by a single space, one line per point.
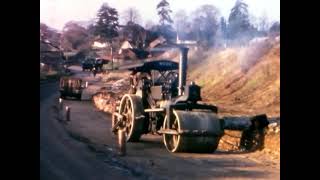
56 13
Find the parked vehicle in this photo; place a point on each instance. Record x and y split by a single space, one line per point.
71 87
88 64
99 64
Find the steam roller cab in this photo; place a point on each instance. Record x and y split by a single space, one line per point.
160 102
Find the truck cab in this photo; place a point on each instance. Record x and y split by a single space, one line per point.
88 64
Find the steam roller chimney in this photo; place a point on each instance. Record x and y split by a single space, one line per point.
183 63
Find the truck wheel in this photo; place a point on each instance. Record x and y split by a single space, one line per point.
79 97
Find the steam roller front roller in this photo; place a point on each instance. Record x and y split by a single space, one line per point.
197 132
131 111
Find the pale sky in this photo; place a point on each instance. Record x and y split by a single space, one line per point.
56 13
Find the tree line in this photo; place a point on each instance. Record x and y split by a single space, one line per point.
205 25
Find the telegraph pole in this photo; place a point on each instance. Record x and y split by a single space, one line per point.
111 56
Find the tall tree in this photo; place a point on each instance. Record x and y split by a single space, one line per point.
239 24
107 23
74 37
275 28
131 15
164 12
165 28
135 33
206 24
223 27
49 35
44 32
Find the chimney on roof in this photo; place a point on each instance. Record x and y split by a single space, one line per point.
178 40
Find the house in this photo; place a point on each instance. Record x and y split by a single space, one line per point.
99 45
185 42
134 33
156 42
128 51
191 44
50 55
125 45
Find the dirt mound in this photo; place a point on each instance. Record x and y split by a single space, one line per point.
116 85
270 150
242 81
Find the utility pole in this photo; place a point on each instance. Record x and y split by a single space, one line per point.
112 57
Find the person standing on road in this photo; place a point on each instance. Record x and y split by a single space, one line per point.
94 72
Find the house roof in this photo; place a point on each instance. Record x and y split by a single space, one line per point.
156 42
47 47
97 45
125 45
145 66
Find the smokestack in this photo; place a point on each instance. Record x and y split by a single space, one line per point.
183 69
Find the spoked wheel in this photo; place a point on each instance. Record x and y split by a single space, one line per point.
187 143
172 142
131 109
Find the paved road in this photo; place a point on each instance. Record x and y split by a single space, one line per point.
47 90
62 157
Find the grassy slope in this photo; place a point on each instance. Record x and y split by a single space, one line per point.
241 81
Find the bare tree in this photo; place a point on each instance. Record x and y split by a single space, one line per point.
275 28
149 24
223 27
131 15
135 34
74 37
264 22
254 21
206 23
181 21
49 35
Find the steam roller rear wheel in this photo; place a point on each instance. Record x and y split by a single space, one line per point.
130 108
187 143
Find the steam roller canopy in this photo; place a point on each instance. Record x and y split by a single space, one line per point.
197 132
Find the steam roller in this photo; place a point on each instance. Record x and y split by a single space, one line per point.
160 102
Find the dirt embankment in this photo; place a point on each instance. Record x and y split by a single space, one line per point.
269 152
241 81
